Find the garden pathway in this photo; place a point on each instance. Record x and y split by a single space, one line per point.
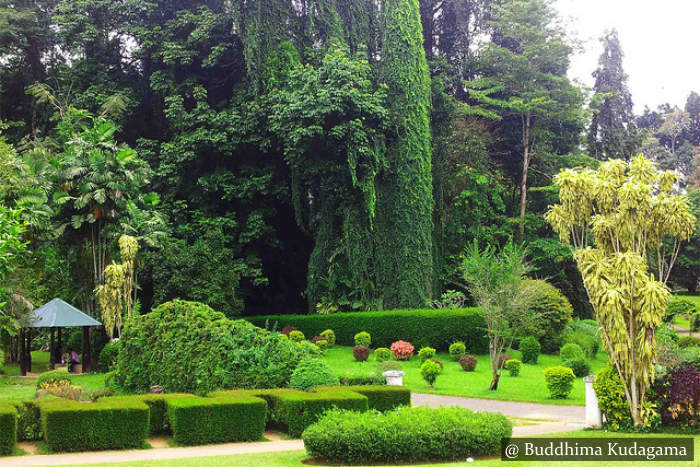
549 419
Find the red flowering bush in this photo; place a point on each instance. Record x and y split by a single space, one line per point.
360 352
678 394
468 362
402 350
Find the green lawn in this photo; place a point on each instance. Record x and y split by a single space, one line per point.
682 321
294 458
528 387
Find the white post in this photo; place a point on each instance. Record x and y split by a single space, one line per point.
394 377
594 418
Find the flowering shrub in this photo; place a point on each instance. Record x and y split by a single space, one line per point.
382 354
457 350
363 338
679 397
402 350
468 362
360 352
426 353
60 388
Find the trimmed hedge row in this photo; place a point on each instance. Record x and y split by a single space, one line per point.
74 426
197 420
378 397
156 407
436 328
8 429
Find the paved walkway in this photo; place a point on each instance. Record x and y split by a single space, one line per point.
559 418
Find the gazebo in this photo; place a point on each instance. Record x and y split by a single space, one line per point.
55 315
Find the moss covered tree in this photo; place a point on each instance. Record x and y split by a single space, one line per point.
404 197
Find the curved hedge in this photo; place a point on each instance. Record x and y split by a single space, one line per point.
436 328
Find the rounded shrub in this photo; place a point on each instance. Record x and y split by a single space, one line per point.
405 434
458 350
312 372
571 352
468 362
382 354
589 344
426 353
611 398
363 338
107 360
360 352
560 381
430 370
322 345
554 312
53 377
530 349
679 307
297 336
402 350
579 366
329 335
513 367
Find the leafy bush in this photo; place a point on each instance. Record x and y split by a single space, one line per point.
513 367
503 358
329 336
378 397
678 396
468 362
457 350
157 409
8 429
589 344
407 434
382 354
74 426
530 349
430 370
689 341
560 381
579 366
288 329
695 322
440 328
188 347
363 338
54 376
360 352
361 380
297 336
197 420
388 366
28 420
426 353
107 361
611 398
322 345
310 373
571 352
402 350
664 332
679 307
690 356
554 313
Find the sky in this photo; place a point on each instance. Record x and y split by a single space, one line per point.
660 40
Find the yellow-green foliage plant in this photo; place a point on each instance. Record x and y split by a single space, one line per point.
116 295
617 218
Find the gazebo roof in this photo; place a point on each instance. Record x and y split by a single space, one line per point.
59 314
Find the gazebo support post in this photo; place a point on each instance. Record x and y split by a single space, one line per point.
59 347
52 349
22 353
28 349
86 349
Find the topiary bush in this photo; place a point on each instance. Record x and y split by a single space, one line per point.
571 352
312 372
382 354
361 380
430 370
329 335
406 434
107 361
360 352
53 377
513 367
188 347
530 349
402 350
297 336
426 353
560 381
457 350
8 429
468 362
379 397
678 397
363 338
611 398
579 366
554 312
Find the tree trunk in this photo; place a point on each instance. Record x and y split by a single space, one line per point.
523 180
494 379
86 363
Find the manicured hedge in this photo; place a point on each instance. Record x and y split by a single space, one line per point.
156 407
8 428
295 410
28 420
407 434
75 426
436 328
198 420
378 397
